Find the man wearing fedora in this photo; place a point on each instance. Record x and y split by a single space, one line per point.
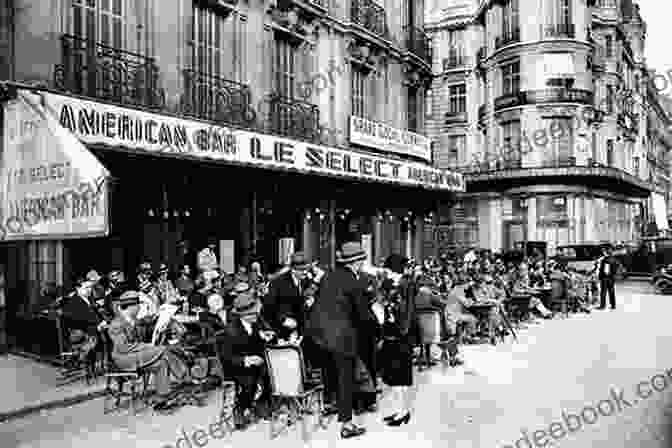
241 349
130 353
337 321
284 305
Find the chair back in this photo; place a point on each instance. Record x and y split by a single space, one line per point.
429 323
286 370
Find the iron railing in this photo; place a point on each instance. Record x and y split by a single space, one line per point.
418 43
567 30
455 59
508 37
456 117
217 99
293 118
99 71
544 96
370 15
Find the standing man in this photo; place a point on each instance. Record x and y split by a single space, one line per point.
336 322
606 276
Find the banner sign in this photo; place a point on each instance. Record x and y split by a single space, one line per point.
386 138
96 123
51 186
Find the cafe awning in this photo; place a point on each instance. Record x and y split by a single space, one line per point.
52 186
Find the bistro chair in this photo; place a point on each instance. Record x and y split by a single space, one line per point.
293 395
431 333
559 295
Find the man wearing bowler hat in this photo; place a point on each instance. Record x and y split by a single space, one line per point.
284 305
337 321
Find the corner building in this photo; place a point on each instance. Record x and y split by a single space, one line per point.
269 126
528 102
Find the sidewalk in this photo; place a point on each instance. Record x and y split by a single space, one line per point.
28 386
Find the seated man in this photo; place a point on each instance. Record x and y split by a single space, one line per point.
130 353
241 350
521 287
482 291
459 321
214 319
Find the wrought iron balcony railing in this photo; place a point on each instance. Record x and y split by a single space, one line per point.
293 118
456 117
567 30
481 54
213 98
98 71
508 37
455 59
545 96
417 42
370 15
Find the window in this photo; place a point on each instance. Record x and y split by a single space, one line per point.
608 47
456 51
511 78
449 150
358 92
610 100
457 99
412 109
102 21
511 142
564 12
429 103
211 43
610 153
285 67
635 166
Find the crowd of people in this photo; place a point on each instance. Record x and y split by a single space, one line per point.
355 324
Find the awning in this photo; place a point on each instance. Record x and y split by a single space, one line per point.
660 211
52 186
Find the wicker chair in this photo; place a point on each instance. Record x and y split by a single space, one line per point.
431 332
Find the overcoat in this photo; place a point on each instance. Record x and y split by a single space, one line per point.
128 350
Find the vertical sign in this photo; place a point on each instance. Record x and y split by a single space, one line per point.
285 250
227 256
367 245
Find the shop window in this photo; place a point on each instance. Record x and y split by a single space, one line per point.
457 99
608 46
511 78
43 268
285 67
358 92
412 109
511 18
211 43
101 21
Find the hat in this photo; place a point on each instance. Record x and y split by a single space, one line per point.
350 252
163 268
299 260
146 266
115 276
209 276
241 287
425 281
93 276
245 304
127 298
85 283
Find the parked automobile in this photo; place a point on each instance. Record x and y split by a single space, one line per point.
648 255
583 257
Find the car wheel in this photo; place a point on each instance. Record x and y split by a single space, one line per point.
621 273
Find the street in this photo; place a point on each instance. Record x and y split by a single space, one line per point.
500 394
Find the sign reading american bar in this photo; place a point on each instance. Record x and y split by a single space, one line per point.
386 138
96 123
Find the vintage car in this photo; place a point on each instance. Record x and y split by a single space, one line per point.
647 256
583 257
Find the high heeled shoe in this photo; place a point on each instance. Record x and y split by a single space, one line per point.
390 417
349 431
398 421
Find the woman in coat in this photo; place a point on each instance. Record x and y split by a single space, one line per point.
399 332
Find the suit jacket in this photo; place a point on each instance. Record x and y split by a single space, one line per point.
284 300
234 344
128 350
340 314
81 315
602 275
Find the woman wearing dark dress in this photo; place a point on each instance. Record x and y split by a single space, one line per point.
399 332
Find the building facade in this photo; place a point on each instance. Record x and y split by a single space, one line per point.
543 105
268 126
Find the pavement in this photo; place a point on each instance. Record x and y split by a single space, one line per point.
575 379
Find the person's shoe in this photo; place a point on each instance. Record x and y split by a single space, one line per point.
329 410
351 430
601 307
456 362
390 418
398 421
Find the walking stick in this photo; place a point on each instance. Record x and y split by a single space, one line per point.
507 322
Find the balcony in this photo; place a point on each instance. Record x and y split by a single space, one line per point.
309 9
98 71
482 113
370 16
629 122
456 117
216 99
558 30
223 8
510 174
293 118
454 60
417 42
508 37
545 96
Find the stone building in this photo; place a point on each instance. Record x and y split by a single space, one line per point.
542 104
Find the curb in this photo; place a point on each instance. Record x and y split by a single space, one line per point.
61 403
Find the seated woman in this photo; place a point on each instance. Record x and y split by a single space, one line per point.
241 350
521 286
130 353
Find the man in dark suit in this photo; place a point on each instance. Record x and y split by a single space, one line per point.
337 321
241 350
285 304
606 274
83 319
